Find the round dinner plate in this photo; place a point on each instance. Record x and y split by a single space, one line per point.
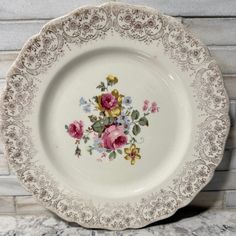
114 116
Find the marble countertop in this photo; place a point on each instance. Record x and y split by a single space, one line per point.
187 221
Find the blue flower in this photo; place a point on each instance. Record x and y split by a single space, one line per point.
98 146
82 101
87 108
121 118
127 100
124 120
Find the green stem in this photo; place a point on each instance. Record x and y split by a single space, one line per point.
132 139
92 102
106 87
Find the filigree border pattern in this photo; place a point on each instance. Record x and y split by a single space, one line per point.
93 23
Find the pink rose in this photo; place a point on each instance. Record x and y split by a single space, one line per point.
114 137
108 101
154 104
154 107
76 129
145 107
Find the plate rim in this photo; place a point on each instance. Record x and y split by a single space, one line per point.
15 66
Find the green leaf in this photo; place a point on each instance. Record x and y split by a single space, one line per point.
112 155
108 120
77 151
110 83
66 127
143 121
136 129
135 114
119 151
90 150
95 98
101 86
102 113
126 132
133 140
85 138
92 118
98 126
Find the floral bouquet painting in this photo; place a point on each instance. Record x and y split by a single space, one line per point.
115 124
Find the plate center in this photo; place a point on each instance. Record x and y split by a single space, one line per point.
162 144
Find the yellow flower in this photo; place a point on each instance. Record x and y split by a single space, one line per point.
111 79
132 153
113 106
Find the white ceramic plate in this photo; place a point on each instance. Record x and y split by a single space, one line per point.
114 116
